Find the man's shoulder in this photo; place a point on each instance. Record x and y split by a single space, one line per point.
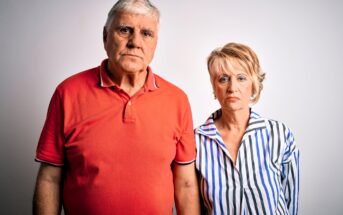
169 87
82 79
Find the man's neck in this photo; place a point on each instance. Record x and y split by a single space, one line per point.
130 82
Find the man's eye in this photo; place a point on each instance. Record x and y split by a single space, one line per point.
224 79
124 30
147 33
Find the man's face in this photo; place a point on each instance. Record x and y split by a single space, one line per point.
130 42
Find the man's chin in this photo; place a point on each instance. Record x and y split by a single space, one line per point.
133 67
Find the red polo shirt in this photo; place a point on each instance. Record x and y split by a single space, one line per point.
117 150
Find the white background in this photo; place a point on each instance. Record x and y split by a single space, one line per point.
299 44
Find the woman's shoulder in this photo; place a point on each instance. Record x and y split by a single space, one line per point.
273 124
209 123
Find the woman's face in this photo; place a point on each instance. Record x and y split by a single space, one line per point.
232 87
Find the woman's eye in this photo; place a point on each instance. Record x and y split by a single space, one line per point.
224 79
241 78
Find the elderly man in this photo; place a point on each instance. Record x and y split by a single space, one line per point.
118 139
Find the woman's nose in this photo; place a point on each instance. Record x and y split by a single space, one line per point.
232 86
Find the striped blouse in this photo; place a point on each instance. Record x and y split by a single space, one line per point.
265 179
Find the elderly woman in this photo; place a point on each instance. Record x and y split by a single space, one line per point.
247 164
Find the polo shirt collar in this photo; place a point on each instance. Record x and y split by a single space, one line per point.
209 129
105 80
150 83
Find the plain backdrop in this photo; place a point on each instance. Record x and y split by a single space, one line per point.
299 43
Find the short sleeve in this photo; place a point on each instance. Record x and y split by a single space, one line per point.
50 144
185 151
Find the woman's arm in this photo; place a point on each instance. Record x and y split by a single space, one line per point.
290 174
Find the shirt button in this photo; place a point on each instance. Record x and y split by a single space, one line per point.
129 103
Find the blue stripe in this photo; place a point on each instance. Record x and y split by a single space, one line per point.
282 197
213 180
294 191
208 129
220 183
219 138
206 169
266 166
275 178
296 188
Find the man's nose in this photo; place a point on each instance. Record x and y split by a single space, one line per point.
135 40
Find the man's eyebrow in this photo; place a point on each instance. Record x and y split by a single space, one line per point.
148 29
124 25
120 27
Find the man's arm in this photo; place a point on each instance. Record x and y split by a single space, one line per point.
186 189
47 199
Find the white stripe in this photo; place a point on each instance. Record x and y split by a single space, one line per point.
43 161
101 81
184 162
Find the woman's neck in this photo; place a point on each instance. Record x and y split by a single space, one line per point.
234 120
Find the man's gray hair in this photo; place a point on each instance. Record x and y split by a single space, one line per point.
143 7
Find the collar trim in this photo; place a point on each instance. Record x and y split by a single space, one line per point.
105 81
209 129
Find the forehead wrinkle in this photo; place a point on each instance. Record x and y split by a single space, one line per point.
138 8
130 15
127 22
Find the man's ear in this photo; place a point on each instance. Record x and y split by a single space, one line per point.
104 35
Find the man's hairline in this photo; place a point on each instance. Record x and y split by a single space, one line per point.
152 14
